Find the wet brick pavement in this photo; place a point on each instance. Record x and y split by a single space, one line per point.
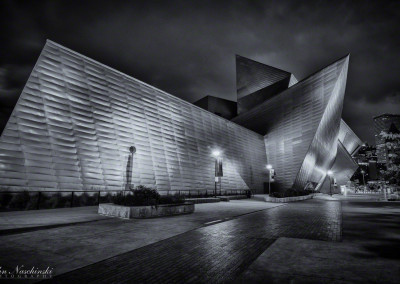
215 253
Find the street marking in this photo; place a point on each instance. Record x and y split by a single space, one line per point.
213 222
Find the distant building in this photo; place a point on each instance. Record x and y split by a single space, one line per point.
383 123
367 161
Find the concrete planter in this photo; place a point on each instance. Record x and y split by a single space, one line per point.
287 199
227 198
203 200
141 212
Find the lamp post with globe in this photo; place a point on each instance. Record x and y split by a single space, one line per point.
218 169
363 175
269 168
330 174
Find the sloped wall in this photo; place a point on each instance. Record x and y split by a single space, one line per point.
76 119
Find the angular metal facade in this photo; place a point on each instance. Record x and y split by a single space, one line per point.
344 166
348 138
248 102
257 82
76 119
292 81
301 126
252 76
343 169
221 107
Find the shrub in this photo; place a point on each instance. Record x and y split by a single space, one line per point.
144 196
85 200
5 199
106 198
48 201
60 200
291 192
20 200
172 199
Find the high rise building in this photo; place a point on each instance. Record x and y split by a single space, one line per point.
382 123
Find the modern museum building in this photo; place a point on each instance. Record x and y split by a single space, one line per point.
80 125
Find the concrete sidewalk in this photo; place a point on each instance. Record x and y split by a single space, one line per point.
367 254
217 253
15 221
291 260
71 247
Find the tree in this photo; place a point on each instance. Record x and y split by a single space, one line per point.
392 147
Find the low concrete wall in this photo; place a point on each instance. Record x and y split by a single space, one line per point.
203 200
287 199
139 212
232 197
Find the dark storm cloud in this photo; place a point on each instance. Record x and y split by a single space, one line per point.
187 47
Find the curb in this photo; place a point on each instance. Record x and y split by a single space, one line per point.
15 231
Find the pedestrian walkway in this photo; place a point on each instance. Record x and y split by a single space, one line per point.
23 221
367 254
69 247
218 252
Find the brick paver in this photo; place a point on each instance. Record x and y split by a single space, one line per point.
215 253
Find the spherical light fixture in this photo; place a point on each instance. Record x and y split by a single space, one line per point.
216 153
269 166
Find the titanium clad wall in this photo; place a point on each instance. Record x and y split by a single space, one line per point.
293 80
252 76
76 119
344 166
250 101
323 148
292 120
348 138
221 107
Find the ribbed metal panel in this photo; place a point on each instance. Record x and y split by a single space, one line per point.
348 138
301 126
323 148
76 119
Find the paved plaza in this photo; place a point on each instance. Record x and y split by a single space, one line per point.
322 240
368 252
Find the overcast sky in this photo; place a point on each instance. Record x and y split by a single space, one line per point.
188 48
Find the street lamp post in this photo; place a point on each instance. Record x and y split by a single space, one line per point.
218 169
363 172
330 173
269 167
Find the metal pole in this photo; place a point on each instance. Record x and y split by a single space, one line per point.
364 180
330 185
269 182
